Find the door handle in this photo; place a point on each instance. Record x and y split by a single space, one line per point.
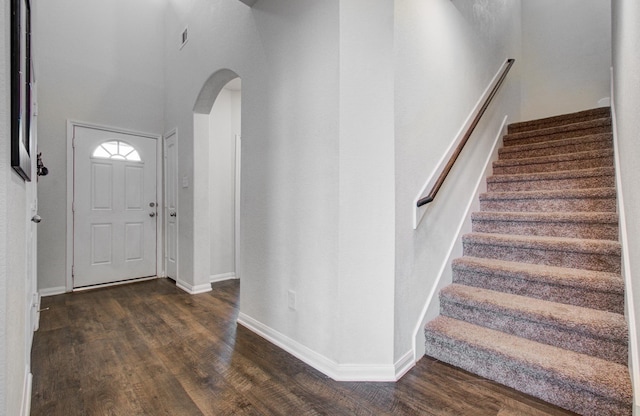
36 218
173 214
152 214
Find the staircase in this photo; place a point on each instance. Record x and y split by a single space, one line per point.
537 300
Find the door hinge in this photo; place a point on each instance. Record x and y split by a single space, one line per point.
73 271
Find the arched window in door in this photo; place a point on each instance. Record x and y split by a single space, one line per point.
118 150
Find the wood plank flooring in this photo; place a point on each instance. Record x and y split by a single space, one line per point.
151 349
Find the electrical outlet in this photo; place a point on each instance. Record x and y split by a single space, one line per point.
291 300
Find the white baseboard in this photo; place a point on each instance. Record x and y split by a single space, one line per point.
222 277
52 291
194 289
25 408
404 364
338 372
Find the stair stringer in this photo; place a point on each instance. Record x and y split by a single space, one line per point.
630 307
444 276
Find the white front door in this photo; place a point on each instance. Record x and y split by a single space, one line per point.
114 206
171 205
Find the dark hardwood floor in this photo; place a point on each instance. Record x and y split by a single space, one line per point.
150 349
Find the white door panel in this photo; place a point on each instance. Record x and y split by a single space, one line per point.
114 207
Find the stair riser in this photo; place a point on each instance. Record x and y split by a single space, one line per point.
515 140
548 229
552 166
522 377
585 297
555 150
589 261
549 205
527 327
559 121
543 185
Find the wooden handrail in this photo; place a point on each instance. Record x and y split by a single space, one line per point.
436 187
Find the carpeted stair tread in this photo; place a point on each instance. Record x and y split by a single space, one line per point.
552 194
600 255
549 176
594 126
594 280
590 225
601 177
589 331
553 374
579 217
570 118
549 243
582 200
571 161
571 145
595 322
554 158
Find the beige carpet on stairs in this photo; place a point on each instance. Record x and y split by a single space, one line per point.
537 299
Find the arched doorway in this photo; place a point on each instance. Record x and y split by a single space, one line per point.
217 177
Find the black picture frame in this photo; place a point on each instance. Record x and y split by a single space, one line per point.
21 76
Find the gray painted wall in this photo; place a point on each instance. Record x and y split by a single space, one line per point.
15 284
566 51
446 54
90 69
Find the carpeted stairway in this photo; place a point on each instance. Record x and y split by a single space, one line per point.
537 300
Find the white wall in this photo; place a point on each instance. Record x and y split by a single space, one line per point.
223 128
626 63
98 62
290 173
306 146
15 286
222 35
566 51
446 54
366 187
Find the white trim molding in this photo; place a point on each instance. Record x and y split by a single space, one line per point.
53 291
404 364
634 344
194 289
222 277
418 212
445 267
25 407
338 372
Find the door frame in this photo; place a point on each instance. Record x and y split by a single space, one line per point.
172 132
238 187
71 124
